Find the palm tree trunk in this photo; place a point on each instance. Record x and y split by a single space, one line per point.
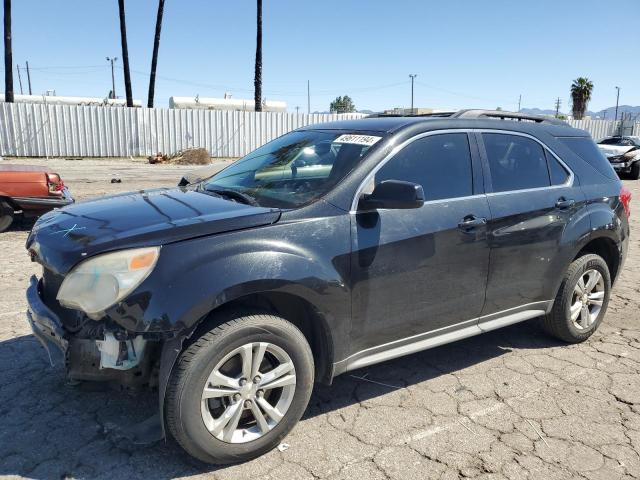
8 54
125 54
258 76
154 57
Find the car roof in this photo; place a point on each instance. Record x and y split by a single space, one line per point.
392 124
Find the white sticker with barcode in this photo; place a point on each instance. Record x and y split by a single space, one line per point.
367 140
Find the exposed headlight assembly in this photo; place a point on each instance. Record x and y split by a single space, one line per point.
101 281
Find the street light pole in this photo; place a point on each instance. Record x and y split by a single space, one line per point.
113 77
412 76
617 100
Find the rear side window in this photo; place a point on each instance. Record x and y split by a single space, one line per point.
515 162
586 149
440 163
557 172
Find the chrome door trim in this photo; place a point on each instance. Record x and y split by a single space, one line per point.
397 148
393 152
567 183
441 336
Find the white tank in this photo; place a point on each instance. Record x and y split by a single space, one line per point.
237 104
59 100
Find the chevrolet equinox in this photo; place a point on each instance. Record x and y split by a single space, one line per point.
333 247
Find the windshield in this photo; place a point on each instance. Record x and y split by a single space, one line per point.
294 169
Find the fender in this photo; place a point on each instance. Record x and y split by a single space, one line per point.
204 274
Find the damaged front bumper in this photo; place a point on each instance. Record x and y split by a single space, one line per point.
95 353
45 324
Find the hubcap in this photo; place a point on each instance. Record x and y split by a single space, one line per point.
587 299
248 392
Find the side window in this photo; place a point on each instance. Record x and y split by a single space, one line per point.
557 172
440 163
515 162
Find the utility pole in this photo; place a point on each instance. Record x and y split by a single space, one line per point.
519 102
29 78
412 76
19 79
557 107
308 98
617 100
113 77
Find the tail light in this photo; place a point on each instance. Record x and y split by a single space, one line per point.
55 183
625 198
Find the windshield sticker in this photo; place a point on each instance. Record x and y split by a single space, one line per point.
357 139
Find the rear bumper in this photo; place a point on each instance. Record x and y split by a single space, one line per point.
45 324
45 202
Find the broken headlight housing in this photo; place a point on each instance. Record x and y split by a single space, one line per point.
99 282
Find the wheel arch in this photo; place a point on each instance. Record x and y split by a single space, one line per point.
605 247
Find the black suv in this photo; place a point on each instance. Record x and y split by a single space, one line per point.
333 247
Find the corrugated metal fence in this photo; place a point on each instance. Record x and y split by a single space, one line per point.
38 130
603 128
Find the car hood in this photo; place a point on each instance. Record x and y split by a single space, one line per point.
61 238
615 150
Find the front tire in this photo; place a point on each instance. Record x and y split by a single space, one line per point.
635 171
6 216
582 300
239 389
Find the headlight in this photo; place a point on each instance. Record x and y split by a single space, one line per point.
99 282
631 155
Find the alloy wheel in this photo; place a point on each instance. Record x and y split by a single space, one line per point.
248 392
587 299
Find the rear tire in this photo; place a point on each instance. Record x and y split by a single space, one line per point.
218 411
582 300
635 171
6 216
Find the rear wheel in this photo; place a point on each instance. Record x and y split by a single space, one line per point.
239 389
6 215
635 171
582 300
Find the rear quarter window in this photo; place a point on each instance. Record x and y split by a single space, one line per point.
586 149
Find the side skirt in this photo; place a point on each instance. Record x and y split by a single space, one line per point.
441 336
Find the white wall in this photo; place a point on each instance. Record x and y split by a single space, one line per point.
33 130
37 130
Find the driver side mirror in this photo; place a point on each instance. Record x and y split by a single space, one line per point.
393 194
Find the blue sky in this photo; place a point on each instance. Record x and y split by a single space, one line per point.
466 53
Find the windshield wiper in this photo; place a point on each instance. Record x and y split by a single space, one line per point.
232 194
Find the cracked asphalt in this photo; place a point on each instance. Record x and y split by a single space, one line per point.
512 403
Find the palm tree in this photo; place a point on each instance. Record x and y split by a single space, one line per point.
258 75
581 90
8 55
125 54
154 57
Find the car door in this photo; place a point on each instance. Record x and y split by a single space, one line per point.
422 270
532 197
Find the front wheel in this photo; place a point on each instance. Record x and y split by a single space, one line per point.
635 171
6 216
582 300
239 389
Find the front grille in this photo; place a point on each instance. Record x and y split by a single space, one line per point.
51 282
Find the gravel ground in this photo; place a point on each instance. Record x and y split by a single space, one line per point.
508 404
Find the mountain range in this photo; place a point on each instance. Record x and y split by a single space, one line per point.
607 113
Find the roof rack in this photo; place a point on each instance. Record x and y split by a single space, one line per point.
503 115
435 114
477 113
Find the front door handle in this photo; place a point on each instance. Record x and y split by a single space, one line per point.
471 221
564 203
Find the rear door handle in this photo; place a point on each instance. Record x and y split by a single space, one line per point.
564 203
471 221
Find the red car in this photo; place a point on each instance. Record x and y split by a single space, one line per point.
31 189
